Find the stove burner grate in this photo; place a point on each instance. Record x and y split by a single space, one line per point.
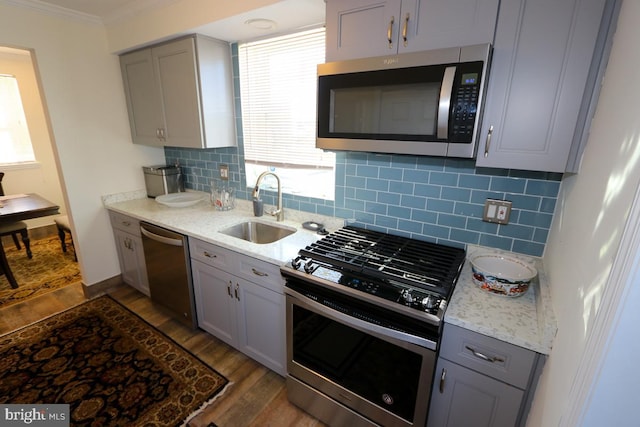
388 257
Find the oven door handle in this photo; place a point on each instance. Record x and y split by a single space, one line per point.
358 323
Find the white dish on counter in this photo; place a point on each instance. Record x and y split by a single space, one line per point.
502 275
179 200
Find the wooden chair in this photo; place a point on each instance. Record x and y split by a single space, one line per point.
62 222
15 228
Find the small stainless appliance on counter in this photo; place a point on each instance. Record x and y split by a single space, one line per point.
166 255
163 179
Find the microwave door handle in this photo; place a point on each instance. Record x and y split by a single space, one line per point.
446 90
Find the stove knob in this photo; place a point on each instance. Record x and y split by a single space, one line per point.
295 263
308 267
406 296
429 302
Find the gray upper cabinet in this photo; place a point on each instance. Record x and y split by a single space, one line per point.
143 97
543 51
434 24
366 28
180 93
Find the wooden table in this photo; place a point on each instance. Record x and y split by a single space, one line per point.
19 207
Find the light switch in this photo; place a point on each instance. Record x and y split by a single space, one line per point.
497 211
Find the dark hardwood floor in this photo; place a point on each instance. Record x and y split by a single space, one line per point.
256 397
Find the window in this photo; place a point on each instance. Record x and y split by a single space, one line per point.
15 143
278 96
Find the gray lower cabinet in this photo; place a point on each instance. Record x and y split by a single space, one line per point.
472 399
482 381
126 231
542 55
365 28
180 93
240 300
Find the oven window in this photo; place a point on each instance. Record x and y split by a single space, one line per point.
377 370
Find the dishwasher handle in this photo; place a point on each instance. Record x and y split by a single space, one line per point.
161 239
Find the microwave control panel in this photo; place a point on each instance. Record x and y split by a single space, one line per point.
465 98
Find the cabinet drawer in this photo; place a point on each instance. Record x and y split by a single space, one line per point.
262 273
212 255
125 223
492 357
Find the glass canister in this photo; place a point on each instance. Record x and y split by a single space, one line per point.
222 197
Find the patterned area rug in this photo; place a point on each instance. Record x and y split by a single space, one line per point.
48 270
109 365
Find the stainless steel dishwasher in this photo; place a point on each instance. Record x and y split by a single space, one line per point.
166 255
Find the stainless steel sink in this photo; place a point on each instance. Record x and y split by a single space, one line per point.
258 232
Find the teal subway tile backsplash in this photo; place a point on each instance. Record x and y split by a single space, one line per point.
449 212
429 198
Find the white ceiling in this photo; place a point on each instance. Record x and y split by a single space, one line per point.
287 15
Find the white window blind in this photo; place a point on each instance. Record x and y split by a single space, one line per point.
15 143
278 95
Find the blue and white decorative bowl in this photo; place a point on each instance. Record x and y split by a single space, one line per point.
502 275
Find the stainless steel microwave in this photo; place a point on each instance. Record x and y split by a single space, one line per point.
425 103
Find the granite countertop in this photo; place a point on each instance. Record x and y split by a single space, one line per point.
204 222
527 321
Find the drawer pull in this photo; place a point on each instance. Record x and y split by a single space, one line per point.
126 223
208 255
258 273
484 356
442 378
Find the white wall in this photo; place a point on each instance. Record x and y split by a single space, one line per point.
84 98
592 210
41 178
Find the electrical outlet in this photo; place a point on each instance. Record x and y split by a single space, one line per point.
497 211
224 172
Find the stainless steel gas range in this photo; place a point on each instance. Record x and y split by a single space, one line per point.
364 317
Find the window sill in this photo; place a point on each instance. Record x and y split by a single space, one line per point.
18 166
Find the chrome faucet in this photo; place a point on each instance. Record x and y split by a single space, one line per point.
279 212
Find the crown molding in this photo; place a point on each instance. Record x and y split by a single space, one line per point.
57 11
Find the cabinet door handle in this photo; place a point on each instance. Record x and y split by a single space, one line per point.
208 255
236 292
488 141
258 273
405 27
484 356
229 289
390 33
442 378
